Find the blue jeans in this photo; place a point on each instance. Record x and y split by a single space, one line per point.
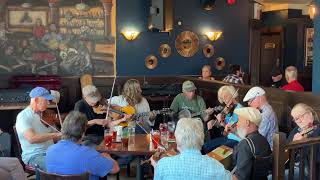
40 160
214 143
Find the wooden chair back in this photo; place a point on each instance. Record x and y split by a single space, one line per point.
41 175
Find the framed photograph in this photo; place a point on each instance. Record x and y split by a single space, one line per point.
22 19
309 47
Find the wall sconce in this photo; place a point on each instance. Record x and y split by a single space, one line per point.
130 35
312 10
213 36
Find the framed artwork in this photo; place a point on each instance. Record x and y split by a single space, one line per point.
21 19
309 47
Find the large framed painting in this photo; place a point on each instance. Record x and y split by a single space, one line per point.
21 19
309 47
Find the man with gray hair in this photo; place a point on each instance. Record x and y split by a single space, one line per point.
69 157
189 164
252 147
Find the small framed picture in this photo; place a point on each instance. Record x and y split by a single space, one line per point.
309 47
23 20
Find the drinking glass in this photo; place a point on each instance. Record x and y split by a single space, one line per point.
155 134
164 138
108 137
125 138
171 128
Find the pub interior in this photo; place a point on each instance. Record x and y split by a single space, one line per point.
159 89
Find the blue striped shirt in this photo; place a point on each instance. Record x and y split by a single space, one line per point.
190 165
269 123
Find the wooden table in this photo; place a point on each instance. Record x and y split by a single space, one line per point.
138 146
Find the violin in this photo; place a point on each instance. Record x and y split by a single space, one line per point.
50 118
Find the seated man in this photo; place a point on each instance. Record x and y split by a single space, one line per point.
189 164
11 169
206 73
236 75
291 77
269 124
188 101
33 135
308 126
94 134
252 146
229 96
69 157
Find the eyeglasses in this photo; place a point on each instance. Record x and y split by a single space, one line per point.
298 119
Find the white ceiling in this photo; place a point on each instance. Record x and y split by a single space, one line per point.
286 1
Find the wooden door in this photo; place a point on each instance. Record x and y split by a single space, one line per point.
270 51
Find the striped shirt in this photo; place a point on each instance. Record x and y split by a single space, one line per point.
190 165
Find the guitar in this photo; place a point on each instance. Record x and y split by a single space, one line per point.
187 114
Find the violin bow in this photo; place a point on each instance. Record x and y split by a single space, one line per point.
109 103
43 121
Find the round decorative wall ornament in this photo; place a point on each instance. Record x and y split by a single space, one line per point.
220 63
165 50
208 51
187 43
151 62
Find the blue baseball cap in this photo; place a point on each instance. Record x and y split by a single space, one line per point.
40 92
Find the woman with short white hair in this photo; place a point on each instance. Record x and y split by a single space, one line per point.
291 74
308 126
189 164
225 134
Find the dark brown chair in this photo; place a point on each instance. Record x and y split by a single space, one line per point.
27 168
41 175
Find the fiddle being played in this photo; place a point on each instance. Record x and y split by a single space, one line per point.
96 122
308 126
222 129
33 135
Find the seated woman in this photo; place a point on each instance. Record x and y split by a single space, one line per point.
229 96
69 157
292 79
131 96
206 73
308 126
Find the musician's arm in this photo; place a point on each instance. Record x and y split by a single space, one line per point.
203 107
34 138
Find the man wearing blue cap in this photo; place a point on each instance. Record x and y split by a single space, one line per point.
33 135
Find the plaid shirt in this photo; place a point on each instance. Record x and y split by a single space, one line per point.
234 79
190 165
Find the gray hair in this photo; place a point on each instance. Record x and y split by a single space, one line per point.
227 90
189 134
305 108
74 126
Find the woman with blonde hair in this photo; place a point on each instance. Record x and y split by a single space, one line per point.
131 96
308 126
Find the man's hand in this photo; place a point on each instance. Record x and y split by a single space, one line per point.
228 128
153 162
210 124
220 118
297 137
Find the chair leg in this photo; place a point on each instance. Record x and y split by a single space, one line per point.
118 176
128 170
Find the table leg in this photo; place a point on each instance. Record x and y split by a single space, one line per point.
139 169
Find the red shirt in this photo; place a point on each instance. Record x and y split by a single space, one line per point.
293 86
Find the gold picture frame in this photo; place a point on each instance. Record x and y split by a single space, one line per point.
20 19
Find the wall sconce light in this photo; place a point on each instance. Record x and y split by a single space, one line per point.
312 10
130 35
213 36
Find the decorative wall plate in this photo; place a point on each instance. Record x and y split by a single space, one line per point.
187 43
208 51
165 50
220 63
151 62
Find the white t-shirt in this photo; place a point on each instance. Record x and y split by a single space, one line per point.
142 107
